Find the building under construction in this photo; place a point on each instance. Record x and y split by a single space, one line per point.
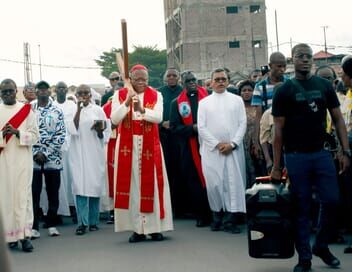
206 34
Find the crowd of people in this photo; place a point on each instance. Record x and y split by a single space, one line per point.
146 156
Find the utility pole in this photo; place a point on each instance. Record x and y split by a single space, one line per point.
40 62
277 33
27 63
325 47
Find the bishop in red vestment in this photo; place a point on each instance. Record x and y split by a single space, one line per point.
142 196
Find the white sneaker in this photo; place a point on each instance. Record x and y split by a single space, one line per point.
53 232
35 234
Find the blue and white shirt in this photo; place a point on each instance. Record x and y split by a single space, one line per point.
52 130
258 96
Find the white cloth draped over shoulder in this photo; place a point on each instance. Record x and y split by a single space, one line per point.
87 153
16 172
133 219
222 118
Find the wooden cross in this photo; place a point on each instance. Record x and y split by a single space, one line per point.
148 154
122 63
125 151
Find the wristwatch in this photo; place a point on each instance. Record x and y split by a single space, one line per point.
347 153
233 145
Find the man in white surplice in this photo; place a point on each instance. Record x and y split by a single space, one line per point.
90 131
18 132
221 128
68 108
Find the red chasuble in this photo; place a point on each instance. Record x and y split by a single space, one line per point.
184 108
111 152
151 160
17 120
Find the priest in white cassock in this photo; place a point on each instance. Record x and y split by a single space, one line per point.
68 107
221 127
19 132
90 131
142 194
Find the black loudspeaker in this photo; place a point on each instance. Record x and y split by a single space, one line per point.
269 219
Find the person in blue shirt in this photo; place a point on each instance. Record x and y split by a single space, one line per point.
264 89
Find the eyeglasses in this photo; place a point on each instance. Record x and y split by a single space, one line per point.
330 78
171 75
140 79
83 93
301 56
7 91
115 78
220 79
190 80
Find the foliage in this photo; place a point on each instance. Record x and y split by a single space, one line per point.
151 57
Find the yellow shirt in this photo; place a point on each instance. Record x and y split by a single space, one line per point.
346 108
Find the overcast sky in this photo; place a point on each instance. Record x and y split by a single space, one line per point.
75 32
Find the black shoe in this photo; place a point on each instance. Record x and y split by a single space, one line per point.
93 228
215 226
81 230
12 245
303 266
157 236
232 228
326 256
202 223
348 250
74 219
27 245
110 220
135 238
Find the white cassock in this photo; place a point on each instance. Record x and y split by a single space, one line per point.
65 192
133 219
87 153
222 118
16 172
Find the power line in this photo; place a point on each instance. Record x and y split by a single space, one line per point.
314 44
53 66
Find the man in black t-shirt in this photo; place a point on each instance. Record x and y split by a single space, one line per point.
299 110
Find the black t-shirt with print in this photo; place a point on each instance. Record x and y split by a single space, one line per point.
304 129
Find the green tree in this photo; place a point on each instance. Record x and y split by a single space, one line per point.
149 56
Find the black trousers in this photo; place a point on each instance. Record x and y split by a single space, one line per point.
52 183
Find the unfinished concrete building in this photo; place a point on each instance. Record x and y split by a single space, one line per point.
206 34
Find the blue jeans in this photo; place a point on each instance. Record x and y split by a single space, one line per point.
87 210
306 170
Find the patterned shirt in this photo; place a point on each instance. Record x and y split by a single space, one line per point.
50 120
258 95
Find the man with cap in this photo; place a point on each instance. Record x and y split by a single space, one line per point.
47 156
29 92
19 132
142 196
114 78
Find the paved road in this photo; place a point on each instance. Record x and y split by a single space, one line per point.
187 249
